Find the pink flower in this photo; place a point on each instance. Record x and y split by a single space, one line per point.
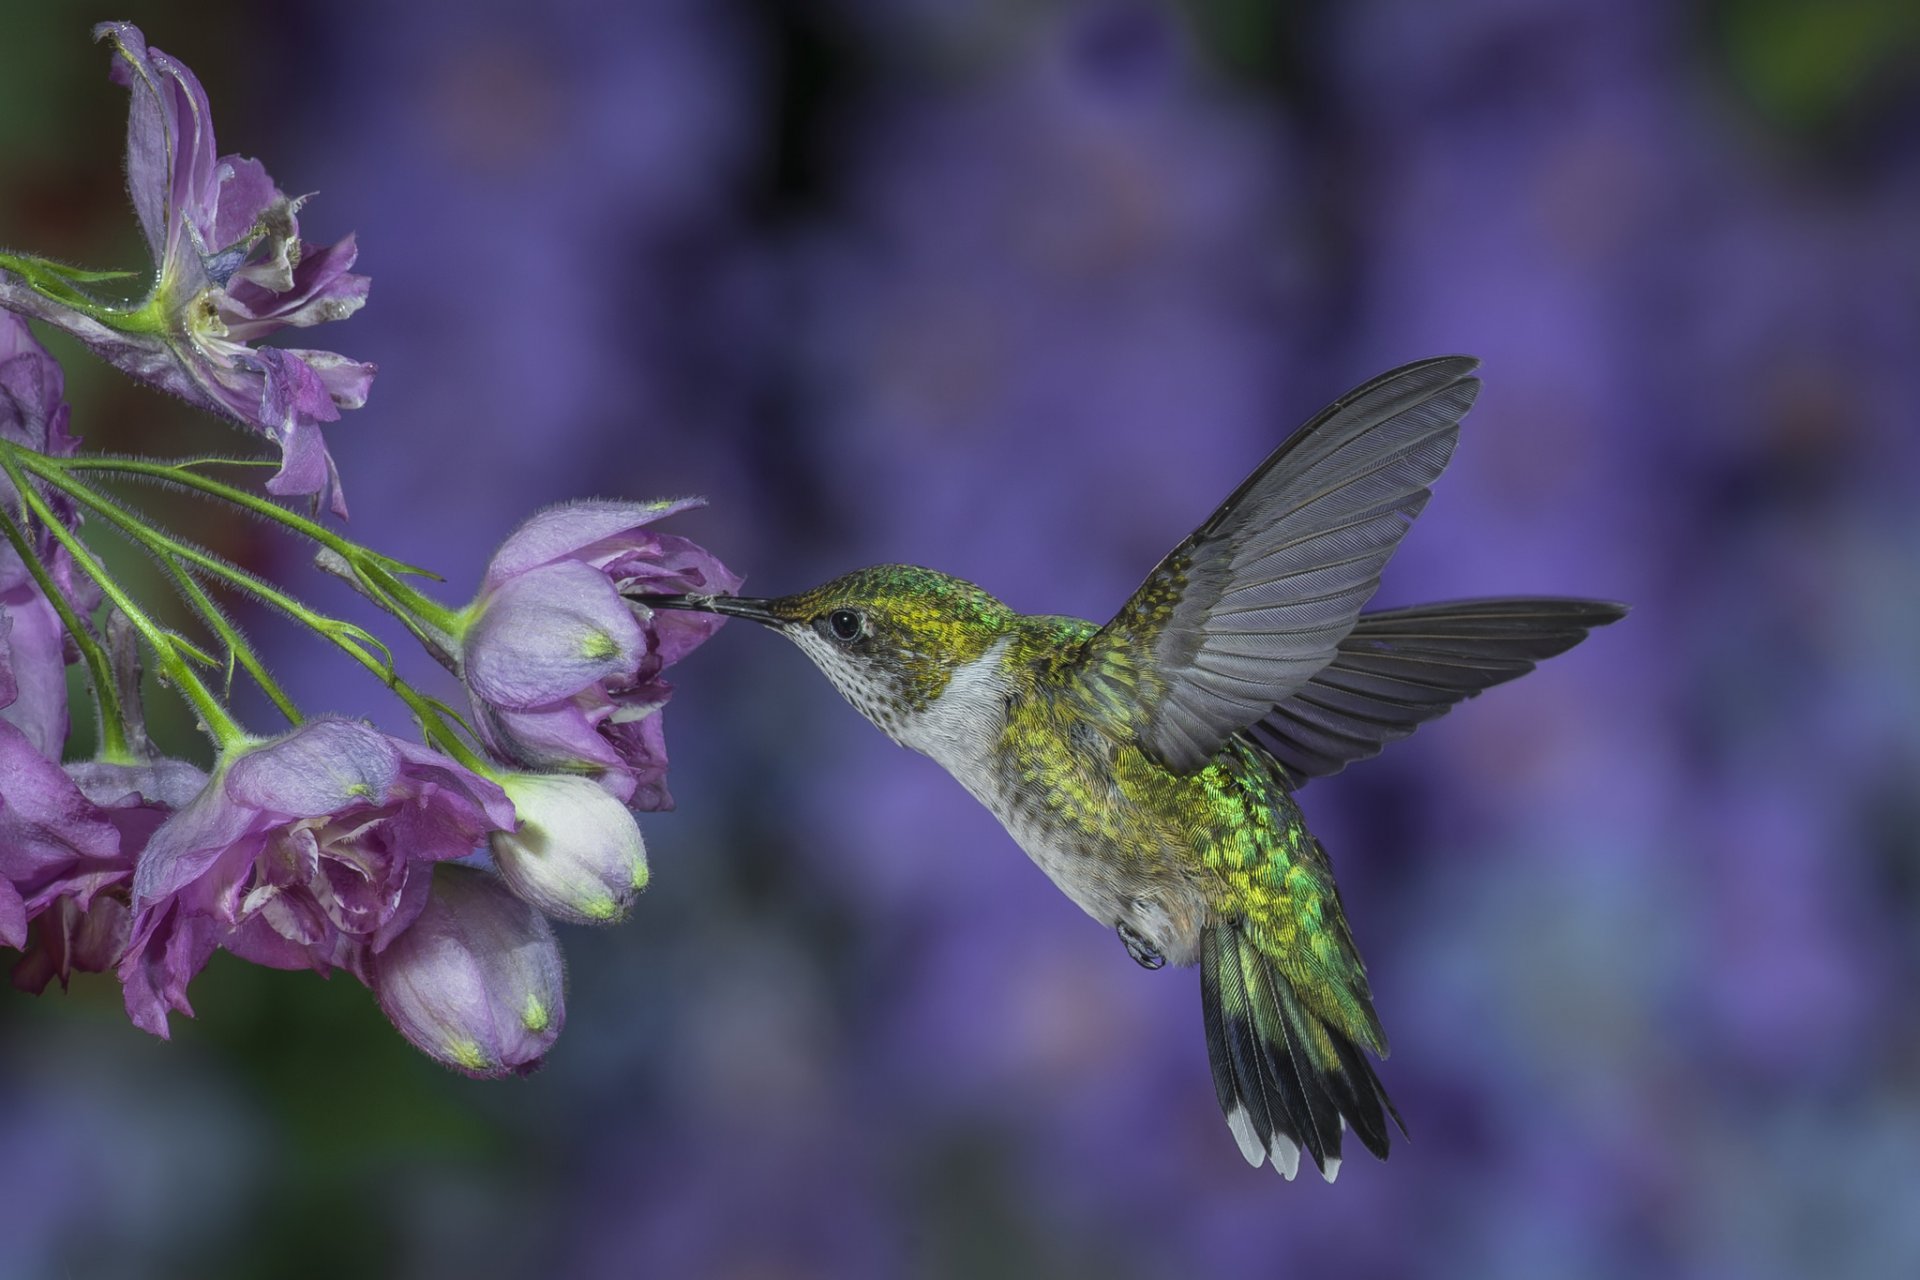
311 850
78 903
33 645
68 840
563 671
230 268
476 981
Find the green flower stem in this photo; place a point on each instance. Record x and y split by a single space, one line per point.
166 544
238 650
57 281
114 746
214 717
344 635
411 606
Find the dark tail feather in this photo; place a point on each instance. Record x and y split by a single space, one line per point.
1285 1079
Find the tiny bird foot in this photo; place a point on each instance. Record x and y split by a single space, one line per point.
1140 949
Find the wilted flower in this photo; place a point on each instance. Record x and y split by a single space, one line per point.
577 853
69 936
301 852
68 841
230 268
79 905
565 673
49 834
476 981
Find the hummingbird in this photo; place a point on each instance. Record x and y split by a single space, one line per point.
1150 766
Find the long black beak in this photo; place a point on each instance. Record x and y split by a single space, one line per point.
727 606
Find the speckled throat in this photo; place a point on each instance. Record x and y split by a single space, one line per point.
920 626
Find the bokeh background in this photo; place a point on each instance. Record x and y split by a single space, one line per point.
1019 290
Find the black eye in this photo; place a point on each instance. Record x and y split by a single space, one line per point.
845 624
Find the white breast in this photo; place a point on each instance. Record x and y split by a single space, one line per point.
958 728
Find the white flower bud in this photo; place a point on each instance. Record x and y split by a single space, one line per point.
577 853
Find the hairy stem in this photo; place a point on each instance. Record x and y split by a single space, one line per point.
113 738
214 716
238 650
384 585
350 639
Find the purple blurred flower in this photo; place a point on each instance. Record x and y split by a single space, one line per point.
476 981
563 671
230 268
33 667
577 853
33 648
302 852
33 405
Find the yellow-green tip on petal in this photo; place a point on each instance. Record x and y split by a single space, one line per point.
577 854
468 1054
476 980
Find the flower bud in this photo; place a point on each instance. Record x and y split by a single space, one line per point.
577 853
476 981
563 669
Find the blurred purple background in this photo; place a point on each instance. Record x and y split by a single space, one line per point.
1020 290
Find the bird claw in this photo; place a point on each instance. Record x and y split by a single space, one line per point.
1140 949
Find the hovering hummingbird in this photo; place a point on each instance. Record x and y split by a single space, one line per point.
1149 765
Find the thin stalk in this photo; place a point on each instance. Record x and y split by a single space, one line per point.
402 599
238 650
114 745
343 635
214 716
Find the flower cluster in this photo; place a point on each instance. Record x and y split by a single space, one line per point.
426 870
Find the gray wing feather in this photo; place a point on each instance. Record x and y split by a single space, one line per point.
1398 669
1256 601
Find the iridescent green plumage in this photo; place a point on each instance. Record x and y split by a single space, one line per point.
1148 766
1234 817
1224 853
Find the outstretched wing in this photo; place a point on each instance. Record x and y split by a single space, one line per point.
1398 669
1255 602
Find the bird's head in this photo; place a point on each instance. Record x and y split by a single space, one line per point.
890 637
